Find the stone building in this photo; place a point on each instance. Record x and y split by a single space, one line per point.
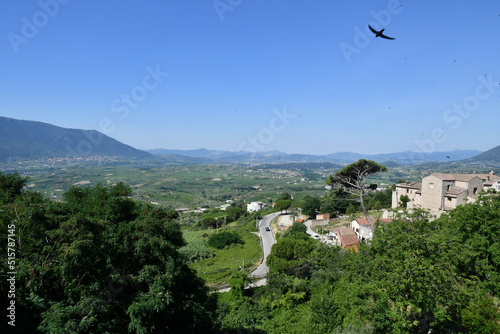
440 192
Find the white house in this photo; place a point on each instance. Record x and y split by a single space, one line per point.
362 228
256 206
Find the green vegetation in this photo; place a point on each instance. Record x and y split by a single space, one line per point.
224 239
220 268
354 180
105 259
97 262
417 276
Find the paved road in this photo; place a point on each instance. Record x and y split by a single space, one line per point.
313 234
267 238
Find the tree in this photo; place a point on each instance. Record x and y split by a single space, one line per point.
98 262
354 178
284 196
283 205
223 239
403 200
290 255
310 205
11 186
234 212
297 228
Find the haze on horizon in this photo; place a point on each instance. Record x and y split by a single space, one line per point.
240 75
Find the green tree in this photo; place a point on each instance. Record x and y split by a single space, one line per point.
99 262
234 213
310 205
354 178
11 186
290 255
283 205
403 201
223 239
284 197
297 228
477 227
209 222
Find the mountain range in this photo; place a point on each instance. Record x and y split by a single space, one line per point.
33 140
21 139
389 159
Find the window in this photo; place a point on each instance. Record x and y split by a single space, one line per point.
475 190
431 185
448 187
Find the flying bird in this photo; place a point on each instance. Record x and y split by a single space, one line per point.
379 33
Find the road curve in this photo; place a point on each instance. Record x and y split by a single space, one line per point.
267 238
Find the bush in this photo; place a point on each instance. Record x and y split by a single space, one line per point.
223 239
196 251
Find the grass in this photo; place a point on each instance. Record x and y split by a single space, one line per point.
219 269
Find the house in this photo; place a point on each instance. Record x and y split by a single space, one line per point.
441 192
256 206
224 207
496 186
322 216
346 237
411 189
362 228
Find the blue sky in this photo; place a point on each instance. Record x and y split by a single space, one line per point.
293 76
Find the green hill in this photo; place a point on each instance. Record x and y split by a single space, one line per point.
490 156
32 140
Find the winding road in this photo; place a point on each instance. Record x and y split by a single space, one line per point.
267 239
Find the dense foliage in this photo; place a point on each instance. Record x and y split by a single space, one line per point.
98 262
418 275
223 239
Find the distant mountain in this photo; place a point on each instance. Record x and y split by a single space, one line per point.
490 157
32 140
392 159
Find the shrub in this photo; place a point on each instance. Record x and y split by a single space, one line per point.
223 239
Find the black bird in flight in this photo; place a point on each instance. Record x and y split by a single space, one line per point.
379 33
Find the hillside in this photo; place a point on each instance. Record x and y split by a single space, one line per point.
31 140
491 156
391 159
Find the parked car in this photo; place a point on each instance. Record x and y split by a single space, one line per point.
268 229
317 237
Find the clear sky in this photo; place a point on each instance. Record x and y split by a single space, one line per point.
287 75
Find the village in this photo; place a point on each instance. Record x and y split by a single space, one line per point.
438 193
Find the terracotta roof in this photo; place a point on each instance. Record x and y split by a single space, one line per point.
342 230
349 240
